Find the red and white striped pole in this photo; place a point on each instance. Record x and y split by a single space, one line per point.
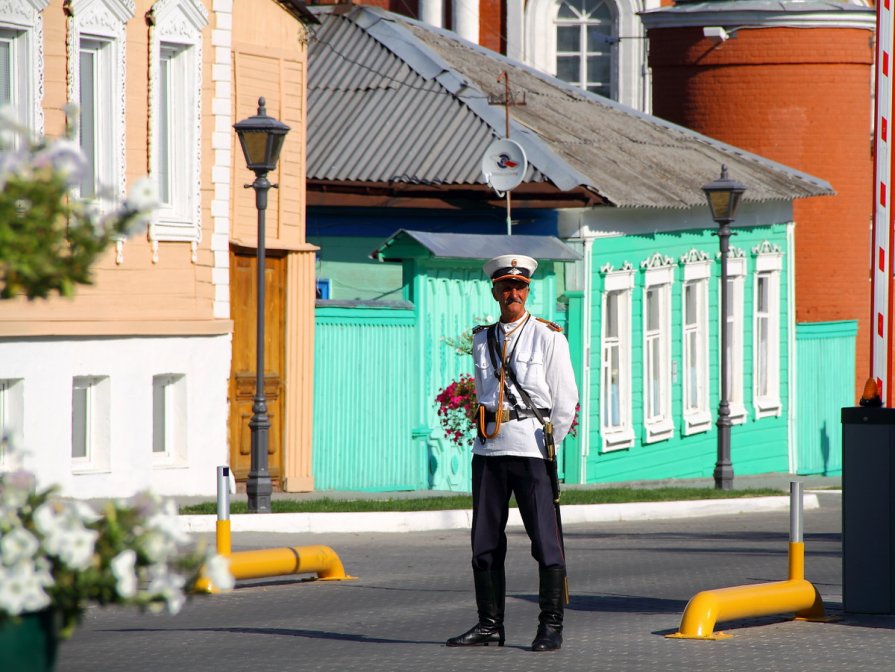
881 278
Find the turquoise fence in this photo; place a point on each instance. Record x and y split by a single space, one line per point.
365 374
825 382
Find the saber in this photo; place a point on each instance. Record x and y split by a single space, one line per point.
553 470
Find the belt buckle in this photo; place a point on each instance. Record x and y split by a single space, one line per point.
504 415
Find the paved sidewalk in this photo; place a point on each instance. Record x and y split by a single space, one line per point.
417 521
630 584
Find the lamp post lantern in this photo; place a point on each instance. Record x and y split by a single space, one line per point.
261 138
723 196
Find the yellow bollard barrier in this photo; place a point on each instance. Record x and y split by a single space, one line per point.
762 599
320 560
223 543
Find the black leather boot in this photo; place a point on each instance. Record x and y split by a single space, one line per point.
551 600
490 589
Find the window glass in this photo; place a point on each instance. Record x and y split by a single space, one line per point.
568 38
80 419
164 128
567 68
612 314
6 72
88 118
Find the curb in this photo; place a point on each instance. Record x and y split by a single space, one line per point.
420 521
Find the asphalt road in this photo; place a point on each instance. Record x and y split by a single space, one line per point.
630 584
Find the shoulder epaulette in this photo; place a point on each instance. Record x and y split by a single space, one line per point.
476 329
552 325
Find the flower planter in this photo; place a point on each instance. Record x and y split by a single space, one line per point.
29 643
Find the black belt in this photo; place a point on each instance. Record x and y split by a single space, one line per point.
513 414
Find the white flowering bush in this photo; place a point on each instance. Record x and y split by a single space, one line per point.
62 555
49 238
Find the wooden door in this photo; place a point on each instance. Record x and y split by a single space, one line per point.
243 300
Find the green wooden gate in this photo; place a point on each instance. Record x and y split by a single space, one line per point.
365 375
825 383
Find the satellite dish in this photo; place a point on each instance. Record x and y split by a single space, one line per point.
504 165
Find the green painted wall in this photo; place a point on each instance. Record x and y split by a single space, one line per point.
825 380
757 446
346 263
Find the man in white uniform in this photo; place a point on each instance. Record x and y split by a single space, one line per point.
522 371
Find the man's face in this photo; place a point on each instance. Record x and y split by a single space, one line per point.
511 295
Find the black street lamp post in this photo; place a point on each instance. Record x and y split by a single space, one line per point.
724 197
262 139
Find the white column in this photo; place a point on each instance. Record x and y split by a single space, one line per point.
514 29
432 12
466 19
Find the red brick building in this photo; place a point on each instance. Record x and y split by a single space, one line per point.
791 82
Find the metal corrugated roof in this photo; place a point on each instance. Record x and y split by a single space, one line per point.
392 99
477 246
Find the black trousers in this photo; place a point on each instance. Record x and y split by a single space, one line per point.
494 479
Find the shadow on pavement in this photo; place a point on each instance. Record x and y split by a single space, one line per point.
285 632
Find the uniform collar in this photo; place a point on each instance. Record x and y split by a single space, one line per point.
509 326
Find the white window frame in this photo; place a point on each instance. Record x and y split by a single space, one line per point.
175 40
95 417
768 268
169 422
100 25
606 50
21 26
658 278
630 77
621 434
12 418
697 269
736 279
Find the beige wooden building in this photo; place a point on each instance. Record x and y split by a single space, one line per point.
145 379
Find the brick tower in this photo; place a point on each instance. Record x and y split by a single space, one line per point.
790 81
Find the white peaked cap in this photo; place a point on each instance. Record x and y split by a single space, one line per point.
510 267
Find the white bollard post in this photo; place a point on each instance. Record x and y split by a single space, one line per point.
224 493
795 512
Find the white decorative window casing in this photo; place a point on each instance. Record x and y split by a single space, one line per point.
766 330
90 424
175 107
96 76
616 427
619 42
21 63
736 329
697 269
658 423
169 421
12 418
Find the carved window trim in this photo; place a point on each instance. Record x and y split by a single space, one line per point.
104 21
620 282
178 25
697 269
768 270
23 22
659 278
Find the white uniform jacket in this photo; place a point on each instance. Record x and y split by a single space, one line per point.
539 355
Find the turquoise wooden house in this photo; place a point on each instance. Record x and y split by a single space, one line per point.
652 319
395 143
